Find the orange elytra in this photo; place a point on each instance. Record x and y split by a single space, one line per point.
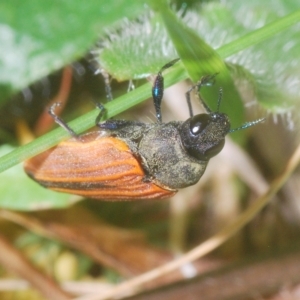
96 167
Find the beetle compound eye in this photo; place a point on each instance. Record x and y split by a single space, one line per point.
199 123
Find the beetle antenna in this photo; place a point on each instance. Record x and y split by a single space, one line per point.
158 89
247 125
60 121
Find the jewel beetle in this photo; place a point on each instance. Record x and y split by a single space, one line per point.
128 160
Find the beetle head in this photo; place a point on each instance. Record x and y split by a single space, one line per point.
203 135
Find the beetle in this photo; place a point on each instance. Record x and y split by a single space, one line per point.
127 160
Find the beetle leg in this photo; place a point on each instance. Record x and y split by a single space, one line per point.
157 94
158 89
60 121
106 78
207 80
220 98
101 113
188 100
108 91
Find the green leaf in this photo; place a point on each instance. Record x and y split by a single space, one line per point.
38 37
128 54
200 59
19 192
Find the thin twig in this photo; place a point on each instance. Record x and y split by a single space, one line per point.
15 262
253 279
